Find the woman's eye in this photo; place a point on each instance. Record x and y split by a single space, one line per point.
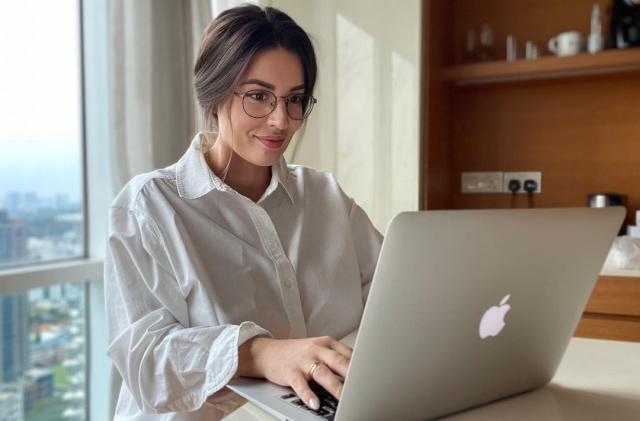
296 99
258 96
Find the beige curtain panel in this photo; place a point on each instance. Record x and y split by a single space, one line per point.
152 45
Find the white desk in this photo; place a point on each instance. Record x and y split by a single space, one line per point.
597 380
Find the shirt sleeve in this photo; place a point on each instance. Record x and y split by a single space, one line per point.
368 242
166 365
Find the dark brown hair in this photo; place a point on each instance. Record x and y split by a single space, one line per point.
232 39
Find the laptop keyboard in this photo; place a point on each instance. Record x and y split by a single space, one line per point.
328 404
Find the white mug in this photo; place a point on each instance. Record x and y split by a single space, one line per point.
566 43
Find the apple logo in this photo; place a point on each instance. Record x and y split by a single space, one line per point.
492 321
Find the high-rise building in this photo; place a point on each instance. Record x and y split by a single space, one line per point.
38 385
14 337
11 402
13 201
62 201
13 239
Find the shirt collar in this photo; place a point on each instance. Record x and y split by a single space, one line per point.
194 179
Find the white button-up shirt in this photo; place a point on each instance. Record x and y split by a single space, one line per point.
194 269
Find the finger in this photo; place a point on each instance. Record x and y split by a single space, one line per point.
336 361
345 350
301 387
327 379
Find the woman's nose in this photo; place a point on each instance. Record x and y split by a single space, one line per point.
279 117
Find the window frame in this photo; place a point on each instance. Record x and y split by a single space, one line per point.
96 177
21 279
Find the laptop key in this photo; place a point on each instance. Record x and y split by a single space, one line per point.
328 404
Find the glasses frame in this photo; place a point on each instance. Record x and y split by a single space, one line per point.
313 101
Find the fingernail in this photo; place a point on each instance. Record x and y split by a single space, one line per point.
314 404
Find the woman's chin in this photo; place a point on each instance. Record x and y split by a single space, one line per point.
264 158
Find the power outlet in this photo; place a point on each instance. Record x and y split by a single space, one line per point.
482 182
522 177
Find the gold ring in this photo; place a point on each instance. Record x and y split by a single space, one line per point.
312 369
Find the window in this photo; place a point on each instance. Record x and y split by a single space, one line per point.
41 216
43 310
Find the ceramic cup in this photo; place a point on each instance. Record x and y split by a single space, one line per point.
566 43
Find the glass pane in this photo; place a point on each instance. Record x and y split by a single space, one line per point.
42 354
41 216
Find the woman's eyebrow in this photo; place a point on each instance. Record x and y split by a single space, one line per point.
258 82
268 85
297 88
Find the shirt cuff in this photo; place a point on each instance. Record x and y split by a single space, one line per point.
243 333
250 330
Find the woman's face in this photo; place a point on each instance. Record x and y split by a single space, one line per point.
262 141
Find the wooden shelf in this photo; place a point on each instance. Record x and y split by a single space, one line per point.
546 67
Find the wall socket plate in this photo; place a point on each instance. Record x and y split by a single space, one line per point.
522 177
482 182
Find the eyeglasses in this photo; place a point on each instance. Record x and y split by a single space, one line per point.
260 103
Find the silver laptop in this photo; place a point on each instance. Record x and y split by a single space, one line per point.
466 307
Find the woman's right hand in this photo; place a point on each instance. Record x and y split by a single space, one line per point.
287 362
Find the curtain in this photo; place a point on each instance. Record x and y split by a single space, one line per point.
153 111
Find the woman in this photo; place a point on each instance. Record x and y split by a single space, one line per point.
229 262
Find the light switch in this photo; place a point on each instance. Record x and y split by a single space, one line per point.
482 182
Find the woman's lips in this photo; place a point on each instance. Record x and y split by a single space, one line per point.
271 142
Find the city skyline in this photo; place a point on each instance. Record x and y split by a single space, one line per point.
44 166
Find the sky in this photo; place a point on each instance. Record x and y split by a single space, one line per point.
40 97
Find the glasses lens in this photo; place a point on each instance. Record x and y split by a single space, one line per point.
258 103
299 106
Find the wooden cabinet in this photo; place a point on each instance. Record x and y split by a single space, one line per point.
575 119
613 310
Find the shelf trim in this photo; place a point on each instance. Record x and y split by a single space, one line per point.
546 67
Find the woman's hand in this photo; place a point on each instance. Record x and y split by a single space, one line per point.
288 362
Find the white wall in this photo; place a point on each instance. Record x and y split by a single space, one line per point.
365 127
